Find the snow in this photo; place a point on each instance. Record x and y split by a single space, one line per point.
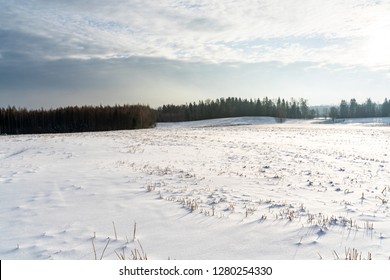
361 121
242 188
221 122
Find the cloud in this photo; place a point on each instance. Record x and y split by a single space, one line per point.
158 81
70 52
57 83
204 30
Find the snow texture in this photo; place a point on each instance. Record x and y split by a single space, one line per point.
242 188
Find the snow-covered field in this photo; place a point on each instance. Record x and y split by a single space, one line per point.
218 189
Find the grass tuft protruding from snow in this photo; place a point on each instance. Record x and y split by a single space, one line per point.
323 186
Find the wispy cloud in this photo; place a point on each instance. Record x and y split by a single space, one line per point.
70 52
335 31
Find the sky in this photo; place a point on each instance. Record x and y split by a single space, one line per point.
89 52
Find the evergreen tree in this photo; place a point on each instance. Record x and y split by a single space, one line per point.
333 113
344 110
75 119
386 108
304 108
353 108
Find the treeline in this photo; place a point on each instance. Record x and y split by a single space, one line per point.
352 109
75 119
104 118
236 107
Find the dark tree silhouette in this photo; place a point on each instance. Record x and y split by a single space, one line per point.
235 107
75 119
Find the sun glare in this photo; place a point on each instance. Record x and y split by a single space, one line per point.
378 44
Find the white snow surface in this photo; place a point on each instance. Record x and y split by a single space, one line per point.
242 188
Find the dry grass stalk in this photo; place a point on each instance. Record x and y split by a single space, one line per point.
94 249
335 255
354 254
368 226
384 201
104 250
135 230
121 256
136 254
116 236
